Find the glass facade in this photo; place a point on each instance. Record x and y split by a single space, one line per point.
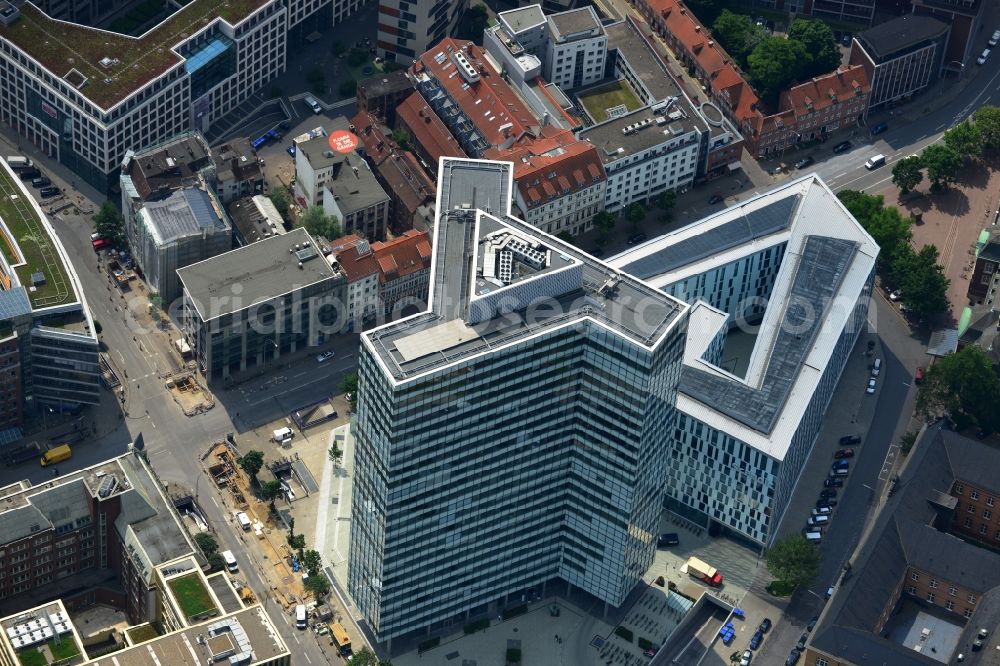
538 461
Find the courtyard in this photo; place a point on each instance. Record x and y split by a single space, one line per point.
600 100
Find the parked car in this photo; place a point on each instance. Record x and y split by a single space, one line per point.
820 503
291 150
715 198
833 482
844 453
325 356
765 625
49 192
839 472
637 238
825 511
828 493
804 162
995 39
876 367
29 174
756 640
895 295
847 440
878 129
41 181
793 658
801 645
918 375
871 386
829 592
983 57
840 464
842 147
746 658
668 539
812 623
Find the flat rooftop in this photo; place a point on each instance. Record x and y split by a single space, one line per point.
900 33
522 18
254 273
574 22
616 139
186 212
630 44
470 280
132 62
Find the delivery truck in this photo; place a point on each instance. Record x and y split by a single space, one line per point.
705 571
340 638
57 454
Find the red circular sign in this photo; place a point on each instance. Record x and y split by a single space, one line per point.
343 141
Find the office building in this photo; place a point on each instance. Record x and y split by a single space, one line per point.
254 218
576 48
901 57
84 97
969 28
751 404
923 587
48 340
505 452
406 29
249 307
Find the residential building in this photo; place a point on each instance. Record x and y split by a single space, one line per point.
314 162
967 27
360 268
406 29
174 230
237 171
901 57
576 48
922 588
646 152
432 140
749 416
560 178
254 218
809 110
249 307
84 96
48 340
481 396
353 194
379 95
412 191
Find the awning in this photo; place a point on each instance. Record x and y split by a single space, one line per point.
735 166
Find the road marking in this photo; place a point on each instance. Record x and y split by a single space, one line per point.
212 497
306 655
299 374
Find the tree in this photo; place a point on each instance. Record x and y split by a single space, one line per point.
207 543
666 202
402 138
279 197
473 23
794 560
318 223
636 214
318 584
963 385
738 34
365 657
604 222
108 222
349 387
335 454
297 541
907 174
312 562
216 562
252 462
922 281
775 63
817 37
886 225
347 87
987 121
357 57
942 165
270 491
965 139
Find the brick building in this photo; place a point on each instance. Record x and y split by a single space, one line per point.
930 560
983 284
432 139
382 93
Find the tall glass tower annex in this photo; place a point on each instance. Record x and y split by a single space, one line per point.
514 436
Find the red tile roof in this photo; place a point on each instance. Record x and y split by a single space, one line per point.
376 137
403 255
428 130
355 264
555 164
841 85
490 103
408 181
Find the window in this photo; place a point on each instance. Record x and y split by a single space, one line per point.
982 529
911 590
949 605
822 662
968 612
952 591
989 501
930 597
987 514
968 522
933 584
973 494
972 598
959 488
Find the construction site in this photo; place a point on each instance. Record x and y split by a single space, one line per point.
188 393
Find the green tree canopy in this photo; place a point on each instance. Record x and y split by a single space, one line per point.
636 214
965 139
794 560
965 386
318 584
335 455
206 542
886 225
108 222
942 165
216 562
987 120
279 197
318 223
312 562
817 37
252 462
270 491
922 281
473 23
775 63
907 174
738 34
365 657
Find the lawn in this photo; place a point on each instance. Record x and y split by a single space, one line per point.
598 102
192 596
142 633
36 246
32 657
65 649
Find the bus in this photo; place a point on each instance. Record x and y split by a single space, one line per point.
340 638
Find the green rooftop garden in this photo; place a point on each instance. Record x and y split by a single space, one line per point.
598 102
50 653
64 46
192 596
142 633
36 246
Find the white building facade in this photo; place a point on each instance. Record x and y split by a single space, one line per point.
576 50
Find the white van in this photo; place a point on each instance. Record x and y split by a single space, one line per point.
313 104
822 511
282 435
814 537
244 520
231 565
875 162
817 521
300 616
876 367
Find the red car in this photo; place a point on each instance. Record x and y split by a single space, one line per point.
918 376
100 243
844 453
